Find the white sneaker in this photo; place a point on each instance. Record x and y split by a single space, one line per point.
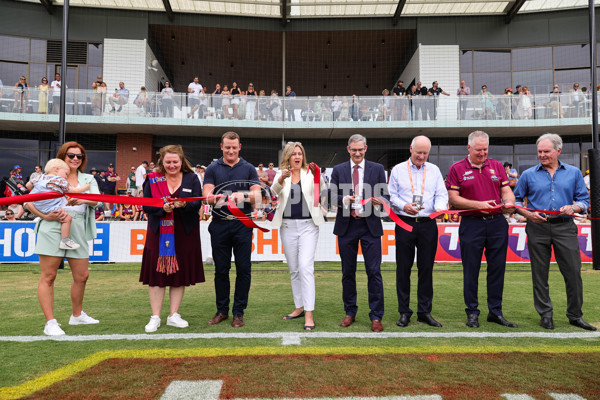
176 321
153 324
83 319
52 328
68 244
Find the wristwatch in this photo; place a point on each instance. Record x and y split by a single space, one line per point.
246 196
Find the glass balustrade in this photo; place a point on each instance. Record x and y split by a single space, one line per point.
311 110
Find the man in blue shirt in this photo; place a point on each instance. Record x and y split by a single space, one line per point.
554 186
121 97
233 176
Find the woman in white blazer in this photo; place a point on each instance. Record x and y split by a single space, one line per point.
298 221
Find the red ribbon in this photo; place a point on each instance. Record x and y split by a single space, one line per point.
244 219
390 213
486 210
317 182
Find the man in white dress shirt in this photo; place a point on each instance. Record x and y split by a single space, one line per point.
416 190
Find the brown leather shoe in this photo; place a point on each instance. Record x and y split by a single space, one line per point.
218 318
376 325
238 321
347 321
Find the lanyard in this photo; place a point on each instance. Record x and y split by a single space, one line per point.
412 188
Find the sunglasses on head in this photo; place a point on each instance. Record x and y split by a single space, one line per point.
79 156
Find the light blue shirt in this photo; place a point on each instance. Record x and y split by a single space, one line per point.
545 192
123 93
435 195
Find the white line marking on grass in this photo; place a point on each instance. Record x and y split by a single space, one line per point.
509 396
291 340
290 336
193 390
568 396
431 397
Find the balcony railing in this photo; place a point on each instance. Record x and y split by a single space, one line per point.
313 109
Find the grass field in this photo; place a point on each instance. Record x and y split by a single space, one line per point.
120 302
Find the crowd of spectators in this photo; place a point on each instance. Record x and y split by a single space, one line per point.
417 102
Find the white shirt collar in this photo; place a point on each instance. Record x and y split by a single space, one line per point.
361 165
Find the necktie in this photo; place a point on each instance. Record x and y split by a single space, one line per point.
356 186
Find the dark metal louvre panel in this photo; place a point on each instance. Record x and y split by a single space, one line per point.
76 52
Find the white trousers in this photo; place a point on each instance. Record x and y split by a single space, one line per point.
299 238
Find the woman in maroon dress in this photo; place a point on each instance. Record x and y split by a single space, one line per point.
172 253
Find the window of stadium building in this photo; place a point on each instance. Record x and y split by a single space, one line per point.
36 58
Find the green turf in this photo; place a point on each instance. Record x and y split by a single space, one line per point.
115 296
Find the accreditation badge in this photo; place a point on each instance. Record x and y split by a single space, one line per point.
418 201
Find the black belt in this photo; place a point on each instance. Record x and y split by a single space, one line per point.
558 220
418 220
484 217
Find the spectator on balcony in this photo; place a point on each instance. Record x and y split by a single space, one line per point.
275 106
21 94
194 89
235 99
424 108
399 105
203 103
167 101
555 99
121 97
226 101
99 96
525 105
435 91
251 102
336 104
56 87
355 108
216 97
488 109
385 110
263 105
577 100
517 93
505 105
344 111
143 102
289 105
43 90
463 101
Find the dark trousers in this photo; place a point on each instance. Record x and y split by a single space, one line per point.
226 236
563 238
424 237
475 235
358 231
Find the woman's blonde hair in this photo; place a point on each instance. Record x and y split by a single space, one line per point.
173 149
55 163
287 154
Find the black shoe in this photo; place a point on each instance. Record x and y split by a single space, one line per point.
403 321
500 320
473 321
120 109
580 323
547 323
428 319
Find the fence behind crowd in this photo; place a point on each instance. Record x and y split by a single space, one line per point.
123 242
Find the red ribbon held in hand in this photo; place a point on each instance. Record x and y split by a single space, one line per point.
390 213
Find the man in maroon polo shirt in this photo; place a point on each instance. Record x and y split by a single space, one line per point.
480 183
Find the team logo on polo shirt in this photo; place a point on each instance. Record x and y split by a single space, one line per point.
468 173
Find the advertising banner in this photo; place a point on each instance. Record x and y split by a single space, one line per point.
123 242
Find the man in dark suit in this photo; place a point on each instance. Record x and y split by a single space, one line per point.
351 182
